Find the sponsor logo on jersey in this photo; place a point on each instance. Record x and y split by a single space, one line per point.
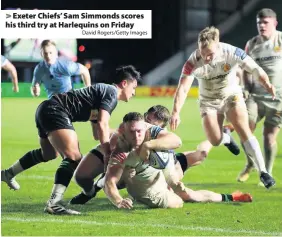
226 67
240 53
277 49
268 58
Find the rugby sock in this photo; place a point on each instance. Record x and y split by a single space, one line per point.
253 150
65 171
62 179
227 197
30 159
182 160
270 154
249 159
225 139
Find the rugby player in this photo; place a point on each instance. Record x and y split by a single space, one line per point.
214 64
54 118
55 73
266 50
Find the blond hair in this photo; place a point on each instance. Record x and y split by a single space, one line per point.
47 43
208 35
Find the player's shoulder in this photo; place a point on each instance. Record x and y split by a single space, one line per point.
253 41
227 48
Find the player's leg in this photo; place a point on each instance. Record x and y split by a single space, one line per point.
209 196
272 124
88 169
30 159
213 123
238 116
66 143
255 114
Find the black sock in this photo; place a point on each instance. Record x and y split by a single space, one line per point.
182 160
227 197
31 158
65 171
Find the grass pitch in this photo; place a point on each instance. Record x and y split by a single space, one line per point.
22 211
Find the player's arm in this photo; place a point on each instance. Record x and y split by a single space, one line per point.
35 85
95 130
9 67
85 75
103 130
258 73
164 141
246 77
184 85
112 177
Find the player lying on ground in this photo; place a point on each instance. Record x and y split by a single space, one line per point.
147 184
91 166
214 64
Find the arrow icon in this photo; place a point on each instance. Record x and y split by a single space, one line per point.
8 15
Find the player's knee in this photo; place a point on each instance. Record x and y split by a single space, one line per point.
73 154
49 155
216 142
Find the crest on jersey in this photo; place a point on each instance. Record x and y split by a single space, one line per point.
93 115
277 49
226 67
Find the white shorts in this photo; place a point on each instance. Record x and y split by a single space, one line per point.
221 106
155 195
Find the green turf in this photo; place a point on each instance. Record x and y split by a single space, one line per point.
22 211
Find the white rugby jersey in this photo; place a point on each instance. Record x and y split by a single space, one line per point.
217 79
268 55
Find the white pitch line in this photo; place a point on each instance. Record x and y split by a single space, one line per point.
193 228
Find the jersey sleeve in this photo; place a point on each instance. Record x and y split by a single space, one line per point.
109 100
189 65
36 76
154 131
239 55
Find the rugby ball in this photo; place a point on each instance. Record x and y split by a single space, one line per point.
161 159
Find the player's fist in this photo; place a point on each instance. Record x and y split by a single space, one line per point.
125 203
15 89
271 89
174 121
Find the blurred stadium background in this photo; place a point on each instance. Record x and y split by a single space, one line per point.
175 27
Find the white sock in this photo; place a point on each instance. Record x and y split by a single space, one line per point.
57 193
252 148
101 182
16 168
225 139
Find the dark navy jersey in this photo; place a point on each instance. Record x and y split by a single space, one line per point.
84 104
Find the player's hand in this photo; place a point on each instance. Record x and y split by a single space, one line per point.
125 203
144 152
16 89
174 121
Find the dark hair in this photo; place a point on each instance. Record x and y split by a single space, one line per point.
126 73
133 116
160 112
266 12
45 43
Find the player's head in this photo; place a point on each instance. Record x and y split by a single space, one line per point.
208 40
134 128
49 51
157 115
126 79
266 22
